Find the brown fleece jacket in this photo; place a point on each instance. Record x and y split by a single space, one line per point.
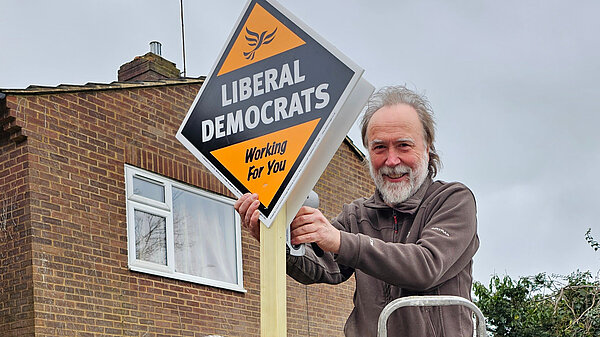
423 246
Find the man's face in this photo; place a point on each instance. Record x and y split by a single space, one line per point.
397 151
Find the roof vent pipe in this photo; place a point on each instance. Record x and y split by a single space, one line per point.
155 47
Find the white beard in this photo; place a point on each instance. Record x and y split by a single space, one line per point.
395 193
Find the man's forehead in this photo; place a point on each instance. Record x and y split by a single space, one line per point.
400 118
397 113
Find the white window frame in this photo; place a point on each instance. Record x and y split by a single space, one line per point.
164 209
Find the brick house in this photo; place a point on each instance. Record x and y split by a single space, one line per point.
95 233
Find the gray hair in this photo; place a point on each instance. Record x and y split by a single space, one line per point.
392 95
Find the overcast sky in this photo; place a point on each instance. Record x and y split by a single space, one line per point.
514 85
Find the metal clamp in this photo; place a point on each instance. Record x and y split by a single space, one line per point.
312 200
427 301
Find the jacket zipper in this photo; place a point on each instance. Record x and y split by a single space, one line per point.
387 287
395 225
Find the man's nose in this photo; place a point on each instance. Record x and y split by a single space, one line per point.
393 158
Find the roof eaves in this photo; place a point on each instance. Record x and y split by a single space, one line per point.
90 86
355 149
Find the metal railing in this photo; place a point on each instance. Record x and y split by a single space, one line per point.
428 301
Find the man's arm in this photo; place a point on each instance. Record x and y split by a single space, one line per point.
310 225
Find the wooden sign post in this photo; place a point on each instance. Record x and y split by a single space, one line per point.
273 311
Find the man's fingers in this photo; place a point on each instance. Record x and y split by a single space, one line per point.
251 214
308 232
303 229
304 210
244 205
255 215
304 216
254 225
247 207
239 202
306 238
241 205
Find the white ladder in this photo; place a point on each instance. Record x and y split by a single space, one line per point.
428 301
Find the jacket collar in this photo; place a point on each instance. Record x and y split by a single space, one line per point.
410 205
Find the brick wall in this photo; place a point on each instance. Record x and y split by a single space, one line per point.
67 257
16 289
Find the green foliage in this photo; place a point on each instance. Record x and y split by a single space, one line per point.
590 240
541 305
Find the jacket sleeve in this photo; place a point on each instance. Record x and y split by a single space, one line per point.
445 246
311 268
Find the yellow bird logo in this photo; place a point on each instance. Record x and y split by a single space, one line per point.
255 40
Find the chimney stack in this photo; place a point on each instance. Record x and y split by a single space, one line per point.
149 67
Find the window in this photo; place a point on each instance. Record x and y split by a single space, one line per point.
182 232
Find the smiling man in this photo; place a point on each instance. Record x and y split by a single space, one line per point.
397 151
414 236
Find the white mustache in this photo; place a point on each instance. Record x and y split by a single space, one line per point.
396 170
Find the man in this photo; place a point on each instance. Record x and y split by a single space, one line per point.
412 237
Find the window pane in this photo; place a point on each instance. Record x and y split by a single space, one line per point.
205 242
148 189
150 237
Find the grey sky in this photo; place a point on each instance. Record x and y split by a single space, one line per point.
513 83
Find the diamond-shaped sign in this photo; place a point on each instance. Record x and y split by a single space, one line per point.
267 104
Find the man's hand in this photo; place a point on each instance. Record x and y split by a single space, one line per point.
247 207
310 225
